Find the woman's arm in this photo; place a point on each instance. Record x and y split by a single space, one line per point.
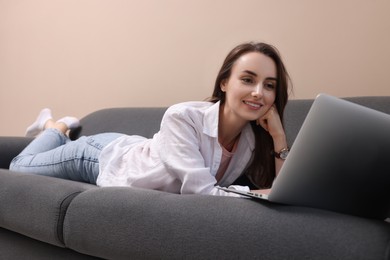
182 155
271 122
279 144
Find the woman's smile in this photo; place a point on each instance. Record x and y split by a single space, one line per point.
252 105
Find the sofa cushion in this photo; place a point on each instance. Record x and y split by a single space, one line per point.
10 147
116 223
143 121
294 115
35 205
16 246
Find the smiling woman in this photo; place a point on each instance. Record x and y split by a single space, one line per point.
257 76
200 145
247 89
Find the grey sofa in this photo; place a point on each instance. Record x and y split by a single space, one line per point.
48 218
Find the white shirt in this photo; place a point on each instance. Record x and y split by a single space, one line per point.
183 157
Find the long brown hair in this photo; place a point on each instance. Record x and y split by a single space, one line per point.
261 169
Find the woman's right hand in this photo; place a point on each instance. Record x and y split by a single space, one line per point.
262 191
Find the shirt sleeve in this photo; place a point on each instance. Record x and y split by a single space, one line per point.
180 153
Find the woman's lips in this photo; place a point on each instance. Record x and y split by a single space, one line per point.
252 105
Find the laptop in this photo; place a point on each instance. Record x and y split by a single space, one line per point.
340 161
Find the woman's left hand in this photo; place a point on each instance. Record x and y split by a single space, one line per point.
271 122
262 191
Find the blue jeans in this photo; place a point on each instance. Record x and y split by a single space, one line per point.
53 154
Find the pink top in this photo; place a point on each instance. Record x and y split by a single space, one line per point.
225 160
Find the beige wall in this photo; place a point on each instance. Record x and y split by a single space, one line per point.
77 56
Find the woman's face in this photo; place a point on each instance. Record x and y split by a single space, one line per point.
251 88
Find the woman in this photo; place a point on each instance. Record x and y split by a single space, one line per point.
201 145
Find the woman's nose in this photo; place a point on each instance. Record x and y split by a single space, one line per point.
257 91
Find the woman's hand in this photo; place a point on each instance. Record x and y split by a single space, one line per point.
263 191
271 122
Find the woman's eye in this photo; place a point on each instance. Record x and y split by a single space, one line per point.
270 85
247 80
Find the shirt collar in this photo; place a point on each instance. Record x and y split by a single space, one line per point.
210 120
210 126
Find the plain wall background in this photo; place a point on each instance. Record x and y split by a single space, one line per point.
77 56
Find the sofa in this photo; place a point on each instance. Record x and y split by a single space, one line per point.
48 218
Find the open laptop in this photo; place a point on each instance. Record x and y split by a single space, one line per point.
340 161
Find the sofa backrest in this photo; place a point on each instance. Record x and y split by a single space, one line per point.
145 121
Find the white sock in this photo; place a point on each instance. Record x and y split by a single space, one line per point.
37 127
70 122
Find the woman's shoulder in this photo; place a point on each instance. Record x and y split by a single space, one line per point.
191 112
189 107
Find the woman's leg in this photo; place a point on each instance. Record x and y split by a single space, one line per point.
53 154
37 127
45 120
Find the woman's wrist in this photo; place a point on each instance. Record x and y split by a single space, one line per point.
280 142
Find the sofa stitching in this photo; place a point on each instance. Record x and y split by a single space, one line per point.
62 212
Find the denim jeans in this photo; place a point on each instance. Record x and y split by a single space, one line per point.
53 154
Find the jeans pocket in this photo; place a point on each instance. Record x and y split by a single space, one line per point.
99 141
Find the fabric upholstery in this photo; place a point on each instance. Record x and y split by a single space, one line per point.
156 225
48 218
10 147
35 206
15 246
130 120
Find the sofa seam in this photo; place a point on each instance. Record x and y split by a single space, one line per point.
62 213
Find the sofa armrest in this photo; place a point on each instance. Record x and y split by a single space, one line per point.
10 147
35 206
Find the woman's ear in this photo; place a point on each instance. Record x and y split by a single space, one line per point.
223 85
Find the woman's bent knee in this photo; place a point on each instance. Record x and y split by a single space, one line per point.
14 164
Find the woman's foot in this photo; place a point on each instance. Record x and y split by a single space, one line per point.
45 120
39 124
69 122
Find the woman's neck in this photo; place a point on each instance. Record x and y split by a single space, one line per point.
229 129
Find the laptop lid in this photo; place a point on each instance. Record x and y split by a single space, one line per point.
340 160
